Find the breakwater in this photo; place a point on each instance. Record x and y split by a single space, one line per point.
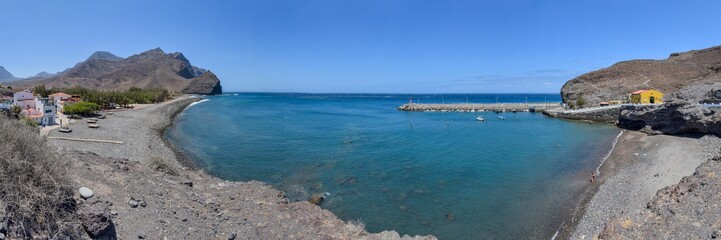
477 107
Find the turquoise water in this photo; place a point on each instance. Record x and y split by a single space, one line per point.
414 172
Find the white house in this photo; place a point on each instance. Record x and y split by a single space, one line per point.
24 100
47 107
42 110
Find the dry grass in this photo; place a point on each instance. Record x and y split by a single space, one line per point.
162 165
35 187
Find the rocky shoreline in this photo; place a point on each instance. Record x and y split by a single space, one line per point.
143 191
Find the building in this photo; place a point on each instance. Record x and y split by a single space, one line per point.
646 97
47 107
59 100
24 99
41 110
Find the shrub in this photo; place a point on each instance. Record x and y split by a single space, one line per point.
580 101
35 189
161 165
29 122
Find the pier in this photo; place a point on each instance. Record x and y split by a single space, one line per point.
478 107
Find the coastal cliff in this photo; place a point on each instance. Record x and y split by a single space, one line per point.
678 72
149 69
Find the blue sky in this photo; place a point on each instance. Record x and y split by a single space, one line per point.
389 46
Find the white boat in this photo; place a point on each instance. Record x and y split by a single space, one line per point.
479 118
502 117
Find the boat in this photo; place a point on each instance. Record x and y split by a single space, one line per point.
65 130
480 118
502 117
93 125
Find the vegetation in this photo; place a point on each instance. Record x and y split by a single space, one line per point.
36 190
15 110
112 99
29 122
42 90
162 165
81 108
580 101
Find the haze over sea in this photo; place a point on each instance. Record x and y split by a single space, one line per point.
444 174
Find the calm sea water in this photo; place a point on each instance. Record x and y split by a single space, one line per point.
414 172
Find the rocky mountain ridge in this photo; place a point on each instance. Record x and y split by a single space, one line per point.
680 71
5 75
149 69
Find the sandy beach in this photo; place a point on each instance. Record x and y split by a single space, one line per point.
639 166
142 187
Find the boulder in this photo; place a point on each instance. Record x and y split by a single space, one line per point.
86 192
97 221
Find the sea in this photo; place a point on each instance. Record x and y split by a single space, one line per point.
418 173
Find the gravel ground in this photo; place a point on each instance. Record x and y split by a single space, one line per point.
135 128
147 200
639 167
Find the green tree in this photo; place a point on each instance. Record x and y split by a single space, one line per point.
580 101
82 108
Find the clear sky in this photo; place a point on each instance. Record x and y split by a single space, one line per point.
384 46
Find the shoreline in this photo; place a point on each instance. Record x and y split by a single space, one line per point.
635 170
180 201
183 158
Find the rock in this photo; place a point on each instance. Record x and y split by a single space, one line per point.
232 236
675 117
142 203
450 217
142 235
133 203
86 192
187 183
2 236
96 221
207 84
316 199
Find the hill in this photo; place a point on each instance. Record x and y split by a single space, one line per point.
681 72
5 75
150 69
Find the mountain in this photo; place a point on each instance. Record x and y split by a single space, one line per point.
680 76
103 55
43 75
150 69
5 75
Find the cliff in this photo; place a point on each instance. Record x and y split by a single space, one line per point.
207 84
672 75
150 69
673 118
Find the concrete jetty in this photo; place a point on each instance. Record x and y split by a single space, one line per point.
477 107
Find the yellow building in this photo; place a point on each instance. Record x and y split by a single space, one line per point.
647 97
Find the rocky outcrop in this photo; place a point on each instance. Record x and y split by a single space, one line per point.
678 72
150 69
207 84
674 118
687 210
